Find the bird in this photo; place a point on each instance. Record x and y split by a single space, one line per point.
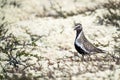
82 45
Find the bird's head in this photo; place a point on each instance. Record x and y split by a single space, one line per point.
78 27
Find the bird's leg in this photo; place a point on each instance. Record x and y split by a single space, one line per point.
96 57
76 56
82 59
89 57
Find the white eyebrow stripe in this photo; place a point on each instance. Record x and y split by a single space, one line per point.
80 44
77 25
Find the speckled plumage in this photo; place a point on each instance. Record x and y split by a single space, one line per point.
82 45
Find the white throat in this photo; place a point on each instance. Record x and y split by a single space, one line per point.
79 35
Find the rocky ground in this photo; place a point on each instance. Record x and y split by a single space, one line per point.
48 26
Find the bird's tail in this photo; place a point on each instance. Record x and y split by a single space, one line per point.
100 51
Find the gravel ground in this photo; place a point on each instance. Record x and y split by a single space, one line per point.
54 56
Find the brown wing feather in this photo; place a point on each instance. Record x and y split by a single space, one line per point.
90 47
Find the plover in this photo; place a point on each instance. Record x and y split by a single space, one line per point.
82 45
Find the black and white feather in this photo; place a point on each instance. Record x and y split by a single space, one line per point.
82 45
